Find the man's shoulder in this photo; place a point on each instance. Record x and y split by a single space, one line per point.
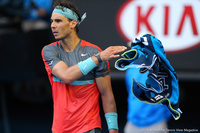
51 45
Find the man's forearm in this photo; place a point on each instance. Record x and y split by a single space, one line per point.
110 114
70 74
109 104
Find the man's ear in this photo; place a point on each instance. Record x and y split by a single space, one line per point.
73 24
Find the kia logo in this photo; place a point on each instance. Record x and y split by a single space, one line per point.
175 22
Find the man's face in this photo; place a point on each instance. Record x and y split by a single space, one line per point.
60 26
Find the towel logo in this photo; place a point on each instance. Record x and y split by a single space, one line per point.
161 78
176 23
158 97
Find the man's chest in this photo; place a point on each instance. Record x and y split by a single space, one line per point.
73 58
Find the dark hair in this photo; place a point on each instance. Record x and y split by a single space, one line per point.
70 5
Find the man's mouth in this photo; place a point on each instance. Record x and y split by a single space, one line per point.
55 32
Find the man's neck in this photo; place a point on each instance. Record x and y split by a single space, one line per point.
70 43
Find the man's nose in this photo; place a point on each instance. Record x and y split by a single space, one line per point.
53 25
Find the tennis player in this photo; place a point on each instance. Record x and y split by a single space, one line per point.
78 72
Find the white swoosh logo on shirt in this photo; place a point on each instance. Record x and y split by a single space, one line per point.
84 54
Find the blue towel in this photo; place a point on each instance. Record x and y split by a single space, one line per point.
161 86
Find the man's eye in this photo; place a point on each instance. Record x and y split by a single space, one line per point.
58 20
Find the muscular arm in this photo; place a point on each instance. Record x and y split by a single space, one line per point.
68 74
107 97
71 74
108 101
